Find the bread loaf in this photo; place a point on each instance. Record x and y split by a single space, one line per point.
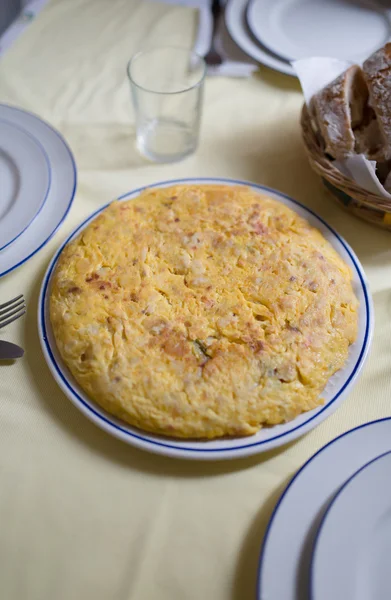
377 74
369 139
338 109
352 115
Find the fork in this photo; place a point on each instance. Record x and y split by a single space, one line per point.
12 310
213 57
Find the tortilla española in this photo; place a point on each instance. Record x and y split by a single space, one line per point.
202 311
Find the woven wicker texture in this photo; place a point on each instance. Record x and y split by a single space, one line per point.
350 195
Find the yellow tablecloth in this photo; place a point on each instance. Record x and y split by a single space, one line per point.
82 515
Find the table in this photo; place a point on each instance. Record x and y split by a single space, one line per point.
84 516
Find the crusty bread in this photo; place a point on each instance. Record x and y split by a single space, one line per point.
377 74
369 140
352 115
338 108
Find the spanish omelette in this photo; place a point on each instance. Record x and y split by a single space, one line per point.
200 311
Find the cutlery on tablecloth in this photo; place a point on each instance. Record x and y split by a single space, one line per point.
12 310
212 31
213 57
9 351
224 56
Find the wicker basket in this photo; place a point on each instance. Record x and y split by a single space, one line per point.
363 204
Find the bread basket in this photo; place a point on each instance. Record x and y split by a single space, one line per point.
349 195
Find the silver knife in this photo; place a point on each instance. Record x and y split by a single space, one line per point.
9 351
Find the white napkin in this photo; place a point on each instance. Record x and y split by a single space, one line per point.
314 73
235 62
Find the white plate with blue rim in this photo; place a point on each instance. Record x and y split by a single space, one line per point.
236 22
351 557
266 439
285 561
295 29
53 184
24 181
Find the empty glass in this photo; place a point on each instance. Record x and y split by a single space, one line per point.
167 90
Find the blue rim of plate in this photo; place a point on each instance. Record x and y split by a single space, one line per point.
282 68
72 195
283 57
184 449
38 143
249 21
286 490
323 521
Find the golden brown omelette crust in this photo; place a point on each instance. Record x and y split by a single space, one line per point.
202 311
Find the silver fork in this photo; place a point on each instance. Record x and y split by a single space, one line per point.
12 310
213 57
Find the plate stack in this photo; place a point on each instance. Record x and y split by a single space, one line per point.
37 183
276 33
330 533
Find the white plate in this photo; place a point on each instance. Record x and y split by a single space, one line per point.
295 29
284 565
337 388
235 19
24 181
353 546
61 191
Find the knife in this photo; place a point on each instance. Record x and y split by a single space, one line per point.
10 351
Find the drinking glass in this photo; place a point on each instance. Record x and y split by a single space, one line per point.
167 91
